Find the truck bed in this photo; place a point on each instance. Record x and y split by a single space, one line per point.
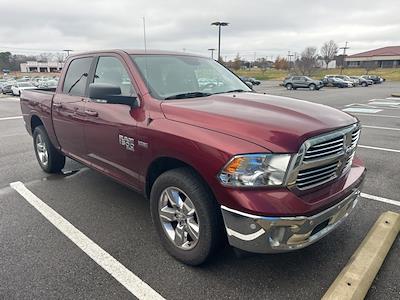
37 102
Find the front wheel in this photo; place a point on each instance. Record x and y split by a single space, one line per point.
364 84
312 87
186 216
50 160
289 86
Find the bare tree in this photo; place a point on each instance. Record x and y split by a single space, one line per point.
308 61
369 66
329 51
60 57
281 63
237 62
45 57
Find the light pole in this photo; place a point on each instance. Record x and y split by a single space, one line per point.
219 24
68 51
289 61
344 56
212 52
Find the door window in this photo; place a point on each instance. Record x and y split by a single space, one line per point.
111 71
76 77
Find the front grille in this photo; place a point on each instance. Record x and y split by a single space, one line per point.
316 176
326 157
330 147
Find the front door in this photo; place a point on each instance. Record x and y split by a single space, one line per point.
68 109
111 130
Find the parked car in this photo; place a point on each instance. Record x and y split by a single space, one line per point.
336 82
2 83
295 82
19 86
376 79
49 84
252 80
346 79
272 173
362 81
333 80
6 88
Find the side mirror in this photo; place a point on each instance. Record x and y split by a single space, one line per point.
111 94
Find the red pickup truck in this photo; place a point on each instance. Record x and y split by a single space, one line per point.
214 158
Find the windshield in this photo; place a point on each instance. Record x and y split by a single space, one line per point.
180 76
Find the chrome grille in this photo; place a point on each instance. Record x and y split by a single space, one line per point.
325 157
330 147
316 175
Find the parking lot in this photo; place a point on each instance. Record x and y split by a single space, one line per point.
38 261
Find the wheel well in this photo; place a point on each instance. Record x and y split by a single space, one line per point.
159 166
35 122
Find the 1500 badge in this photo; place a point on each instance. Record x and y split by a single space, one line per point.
127 142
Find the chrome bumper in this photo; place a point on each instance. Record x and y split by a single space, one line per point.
280 234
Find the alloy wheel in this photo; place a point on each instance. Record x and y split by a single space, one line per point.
41 150
179 218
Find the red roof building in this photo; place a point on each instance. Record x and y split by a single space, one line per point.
386 57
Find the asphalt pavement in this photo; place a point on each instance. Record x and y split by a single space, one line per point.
38 261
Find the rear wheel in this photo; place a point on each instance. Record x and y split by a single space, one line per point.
50 160
186 216
289 86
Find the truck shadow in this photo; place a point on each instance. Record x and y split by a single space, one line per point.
118 219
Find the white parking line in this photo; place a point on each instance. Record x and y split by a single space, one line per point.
377 115
10 118
379 127
124 276
381 199
361 110
379 148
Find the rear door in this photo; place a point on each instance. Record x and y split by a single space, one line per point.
68 110
111 128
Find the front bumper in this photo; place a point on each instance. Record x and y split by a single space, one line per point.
280 234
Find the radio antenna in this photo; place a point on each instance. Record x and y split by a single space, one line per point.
144 34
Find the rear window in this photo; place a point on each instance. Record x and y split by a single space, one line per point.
76 77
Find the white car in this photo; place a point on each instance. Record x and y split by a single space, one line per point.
19 86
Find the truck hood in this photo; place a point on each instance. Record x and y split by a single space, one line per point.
278 124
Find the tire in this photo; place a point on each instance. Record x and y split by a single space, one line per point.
312 87
364 84
289 86
48 157
206 216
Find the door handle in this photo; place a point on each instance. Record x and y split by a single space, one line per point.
57 105
91 113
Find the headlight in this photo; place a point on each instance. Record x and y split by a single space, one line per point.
255 170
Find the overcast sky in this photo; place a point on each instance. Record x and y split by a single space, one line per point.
257 27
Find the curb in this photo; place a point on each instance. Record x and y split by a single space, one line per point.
396 95
355 279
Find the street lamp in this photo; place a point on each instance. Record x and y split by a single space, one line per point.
68 51
212 52
219 24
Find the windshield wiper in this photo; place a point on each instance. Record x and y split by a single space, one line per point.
188 95
232 91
